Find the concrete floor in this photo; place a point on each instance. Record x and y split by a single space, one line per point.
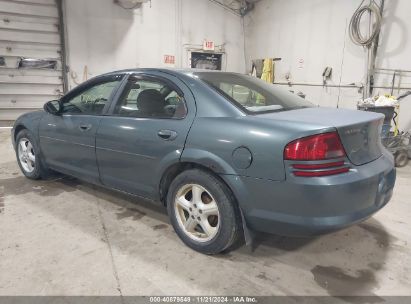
66 237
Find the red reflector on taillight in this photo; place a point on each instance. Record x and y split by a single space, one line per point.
321 173
316 147
318 166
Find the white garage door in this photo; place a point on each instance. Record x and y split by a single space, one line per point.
30 56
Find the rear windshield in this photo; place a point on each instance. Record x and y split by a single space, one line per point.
252 94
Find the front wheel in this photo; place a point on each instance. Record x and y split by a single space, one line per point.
28 156
203 212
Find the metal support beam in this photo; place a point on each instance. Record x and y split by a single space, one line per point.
63 44
290 84
392 70
374 51
226 7
348 86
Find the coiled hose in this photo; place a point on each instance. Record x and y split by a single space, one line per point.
355 31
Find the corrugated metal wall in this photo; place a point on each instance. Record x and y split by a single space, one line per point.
28 29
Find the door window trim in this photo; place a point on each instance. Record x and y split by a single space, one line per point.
144 76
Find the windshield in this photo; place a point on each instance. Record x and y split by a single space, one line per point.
252 94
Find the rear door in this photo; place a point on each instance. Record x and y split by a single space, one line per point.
144 133
68 140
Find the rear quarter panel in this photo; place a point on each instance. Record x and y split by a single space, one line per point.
213 140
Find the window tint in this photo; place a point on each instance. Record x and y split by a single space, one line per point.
252 94
150 97
243 95
91 101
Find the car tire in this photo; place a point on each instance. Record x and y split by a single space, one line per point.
401 158
29 160
204 228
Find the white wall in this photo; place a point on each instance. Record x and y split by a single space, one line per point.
314 32
105 37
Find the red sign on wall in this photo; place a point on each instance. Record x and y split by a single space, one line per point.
208 45
169 59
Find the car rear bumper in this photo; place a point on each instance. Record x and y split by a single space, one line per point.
301 206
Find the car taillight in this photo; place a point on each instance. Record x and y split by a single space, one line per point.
320 147
316 147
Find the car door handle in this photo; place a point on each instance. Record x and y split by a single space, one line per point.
167 134
85 127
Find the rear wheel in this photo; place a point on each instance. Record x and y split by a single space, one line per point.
28 156
203 212
401 158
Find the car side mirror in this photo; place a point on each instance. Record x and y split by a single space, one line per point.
53 107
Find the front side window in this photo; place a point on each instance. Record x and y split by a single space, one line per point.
91 101
150 98
252 94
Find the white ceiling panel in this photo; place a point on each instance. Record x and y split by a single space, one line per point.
24 49
28 29
28 9
14 22
30 89
11 79
29 36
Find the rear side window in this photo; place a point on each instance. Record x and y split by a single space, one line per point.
252 94
243 94
149 97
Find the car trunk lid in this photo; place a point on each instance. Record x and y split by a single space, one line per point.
359 131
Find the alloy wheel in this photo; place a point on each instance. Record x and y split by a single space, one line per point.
26 155
197 212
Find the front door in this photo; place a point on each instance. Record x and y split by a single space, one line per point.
67 141
145 133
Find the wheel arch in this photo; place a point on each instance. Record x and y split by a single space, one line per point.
172 171
29 121
17 129
20 127
193 158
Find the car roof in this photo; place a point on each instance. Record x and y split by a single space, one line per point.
173 71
